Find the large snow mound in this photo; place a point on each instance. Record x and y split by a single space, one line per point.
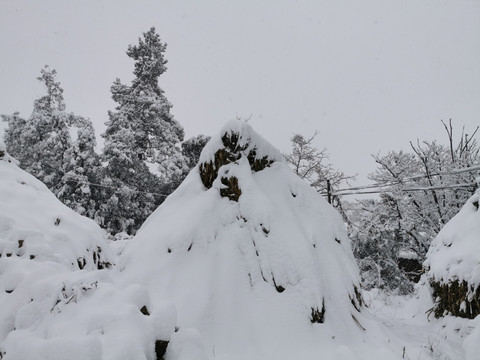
34 224
250 254
454 254
60 296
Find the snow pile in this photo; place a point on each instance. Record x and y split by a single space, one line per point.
35 225
453 263
252 257
455 253
53 313
60 297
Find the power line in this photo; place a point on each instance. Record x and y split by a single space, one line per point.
427 188
379 188
80 179
441 187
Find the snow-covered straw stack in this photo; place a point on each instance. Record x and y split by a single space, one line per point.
453 263
250 254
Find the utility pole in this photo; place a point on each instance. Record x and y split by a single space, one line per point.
329 192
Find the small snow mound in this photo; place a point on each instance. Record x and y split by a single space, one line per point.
55 313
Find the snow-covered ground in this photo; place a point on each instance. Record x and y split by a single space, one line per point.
253 265
60 296
414 333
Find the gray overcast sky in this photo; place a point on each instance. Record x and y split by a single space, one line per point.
369 75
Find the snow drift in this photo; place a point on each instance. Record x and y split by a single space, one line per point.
453 263
59 298
35 224
252 257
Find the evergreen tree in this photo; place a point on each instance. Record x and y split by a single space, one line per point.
40 143
141 141
15 137
82 168
192 148
44 147
127 181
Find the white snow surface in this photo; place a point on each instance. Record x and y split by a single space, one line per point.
224 263
248 137
49 308
454 254
204 266
34 223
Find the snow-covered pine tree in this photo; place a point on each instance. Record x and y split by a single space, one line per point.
44 147
82 168
127 180
141 141
156 132
192 148
16 134
41 142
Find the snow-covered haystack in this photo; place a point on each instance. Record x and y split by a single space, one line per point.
453 263
59 296
250 254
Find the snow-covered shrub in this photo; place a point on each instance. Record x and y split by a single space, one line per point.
377 246
453 263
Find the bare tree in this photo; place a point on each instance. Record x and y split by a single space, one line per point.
311 164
